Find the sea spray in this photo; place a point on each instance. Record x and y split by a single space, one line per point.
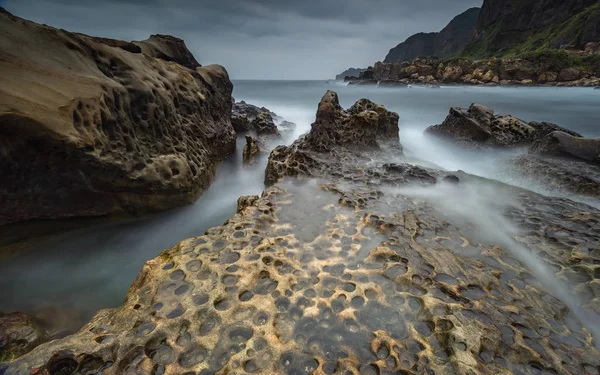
482 205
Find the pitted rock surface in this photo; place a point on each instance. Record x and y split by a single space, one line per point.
352 273
90 128
478 127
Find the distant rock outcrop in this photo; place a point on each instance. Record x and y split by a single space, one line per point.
478 127
91 126
352 72
448 42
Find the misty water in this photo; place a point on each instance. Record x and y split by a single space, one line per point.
69 276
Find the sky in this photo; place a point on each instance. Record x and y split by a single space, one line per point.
257 39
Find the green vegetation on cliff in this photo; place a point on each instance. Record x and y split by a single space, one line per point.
500 39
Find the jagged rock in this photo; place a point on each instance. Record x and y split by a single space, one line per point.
246 201
478 126
354 273
89 128
168 48
251 151
263 125
240 123
251 111
19 333
558 143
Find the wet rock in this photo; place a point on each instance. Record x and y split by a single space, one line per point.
130 132
246 201
251 111
240 122
351 272
478 126
364 126
19 333
251 151
263 125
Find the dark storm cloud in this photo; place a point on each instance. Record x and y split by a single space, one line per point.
258 38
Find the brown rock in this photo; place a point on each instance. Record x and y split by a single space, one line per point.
452 74
251 151
569 74
168 48
246 201
19 333
478 126
88 129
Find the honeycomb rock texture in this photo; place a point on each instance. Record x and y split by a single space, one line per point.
350 273
92 126
478 126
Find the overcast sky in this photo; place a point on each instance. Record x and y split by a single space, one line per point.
257 39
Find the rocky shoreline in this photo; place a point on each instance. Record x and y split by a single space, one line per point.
535 71
351 262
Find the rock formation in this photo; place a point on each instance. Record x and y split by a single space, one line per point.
351 72
353 273
448 42
558 159
548 68
92 126
478 127
251 151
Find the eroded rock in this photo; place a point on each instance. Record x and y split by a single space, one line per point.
363 270
107 130
251 151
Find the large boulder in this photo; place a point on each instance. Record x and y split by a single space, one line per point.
89 128
478 126
569 74
372 268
